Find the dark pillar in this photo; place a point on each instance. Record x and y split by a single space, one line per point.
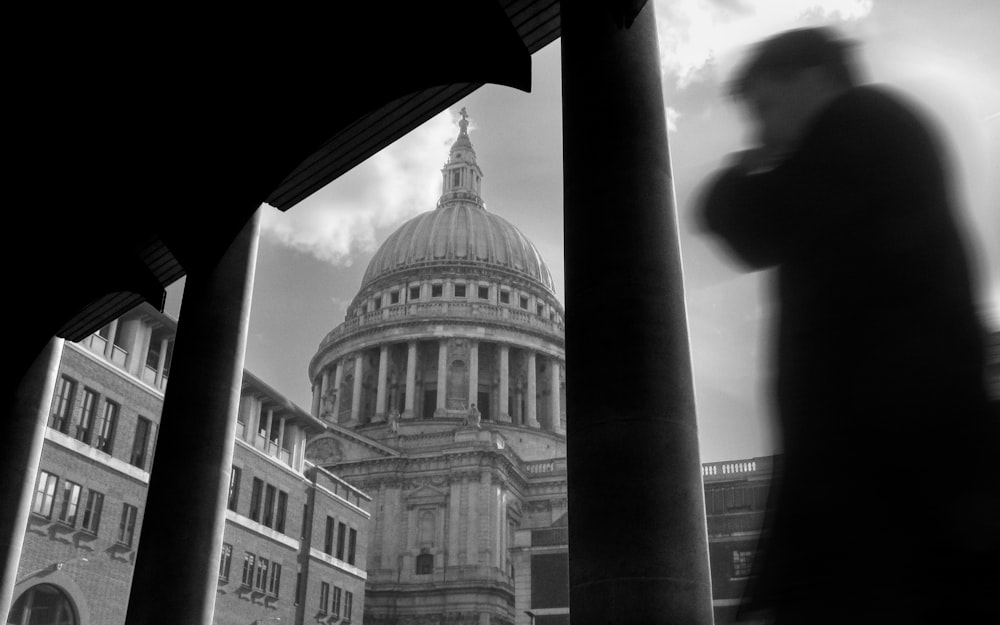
177 564
24 434
638 548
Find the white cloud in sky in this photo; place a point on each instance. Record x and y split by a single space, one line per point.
396 183
696 33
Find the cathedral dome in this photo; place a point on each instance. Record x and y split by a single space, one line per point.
459 233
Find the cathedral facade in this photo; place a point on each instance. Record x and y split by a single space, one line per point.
449 372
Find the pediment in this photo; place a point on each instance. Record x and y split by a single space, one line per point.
335 448
426 495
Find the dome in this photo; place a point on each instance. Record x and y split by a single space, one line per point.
459 233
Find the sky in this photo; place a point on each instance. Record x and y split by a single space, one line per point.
944 54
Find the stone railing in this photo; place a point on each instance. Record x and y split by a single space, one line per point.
545 466
445 309
731 467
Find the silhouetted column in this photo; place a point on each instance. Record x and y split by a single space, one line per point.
23 436
649 565
383 373
411 379
531 412
356 391
442 381
177 564
505 383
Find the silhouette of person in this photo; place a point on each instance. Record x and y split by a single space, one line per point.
880 388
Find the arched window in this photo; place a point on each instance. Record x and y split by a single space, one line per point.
43 604
425 564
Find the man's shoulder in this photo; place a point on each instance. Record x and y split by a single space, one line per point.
879 103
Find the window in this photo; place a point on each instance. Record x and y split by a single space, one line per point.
227 557
84 423
351 545
92 514
141 443
425 564
524 302
741 563
262 564
504 296
126 529
255 495
414 292
348 604
234 487
106 428
377 303
459 290
249 564
274 584
279 519
324 596
335 606
71 503
393 297
436 290
456 177
63 405
540 309
270 493
45 494
484 292
328 539
341 536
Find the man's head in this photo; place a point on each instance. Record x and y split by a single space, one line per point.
791 77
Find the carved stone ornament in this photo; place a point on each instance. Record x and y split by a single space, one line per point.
324 451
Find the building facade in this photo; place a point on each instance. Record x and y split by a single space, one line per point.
294 532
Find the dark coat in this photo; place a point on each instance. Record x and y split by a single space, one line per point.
879 361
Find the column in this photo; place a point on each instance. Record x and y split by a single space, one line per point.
411 379
177 564
356 395
112 335
472 528
383 371
555 424
281 434
474 373
442 386
505 383
269 422
638 416
133 336
26 414
531 412
161 363
320 401
338 375
317 392
455 510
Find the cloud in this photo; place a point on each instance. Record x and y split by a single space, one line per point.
342 219
695 35
672 116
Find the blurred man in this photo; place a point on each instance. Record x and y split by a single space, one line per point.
887 509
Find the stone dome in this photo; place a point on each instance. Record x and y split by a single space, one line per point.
459 233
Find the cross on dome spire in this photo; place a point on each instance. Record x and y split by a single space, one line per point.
462 177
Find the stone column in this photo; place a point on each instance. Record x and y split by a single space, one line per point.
356 395
338 376
474 374
411 379
25 417
650 565
281 435
455 510
504 383
442 381
132 334
472 529
177 564
555 424
531 416
267 430
383 372
161 363
112 335
320 398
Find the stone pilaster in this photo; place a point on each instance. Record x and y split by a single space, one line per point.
411 379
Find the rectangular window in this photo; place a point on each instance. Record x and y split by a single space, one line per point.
524 302
484 292
348 604
270 494
262 564
249 564
279 519
274 584
227 557
328 539
341 540
414 293
63 405
84 423
540 309
377 304
393 297
352 542
140 445
234 487
436 290
71 503
126 529
504 296
255 496
335 606
92 514
45 494
324 596
459 290
742 561
106 428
